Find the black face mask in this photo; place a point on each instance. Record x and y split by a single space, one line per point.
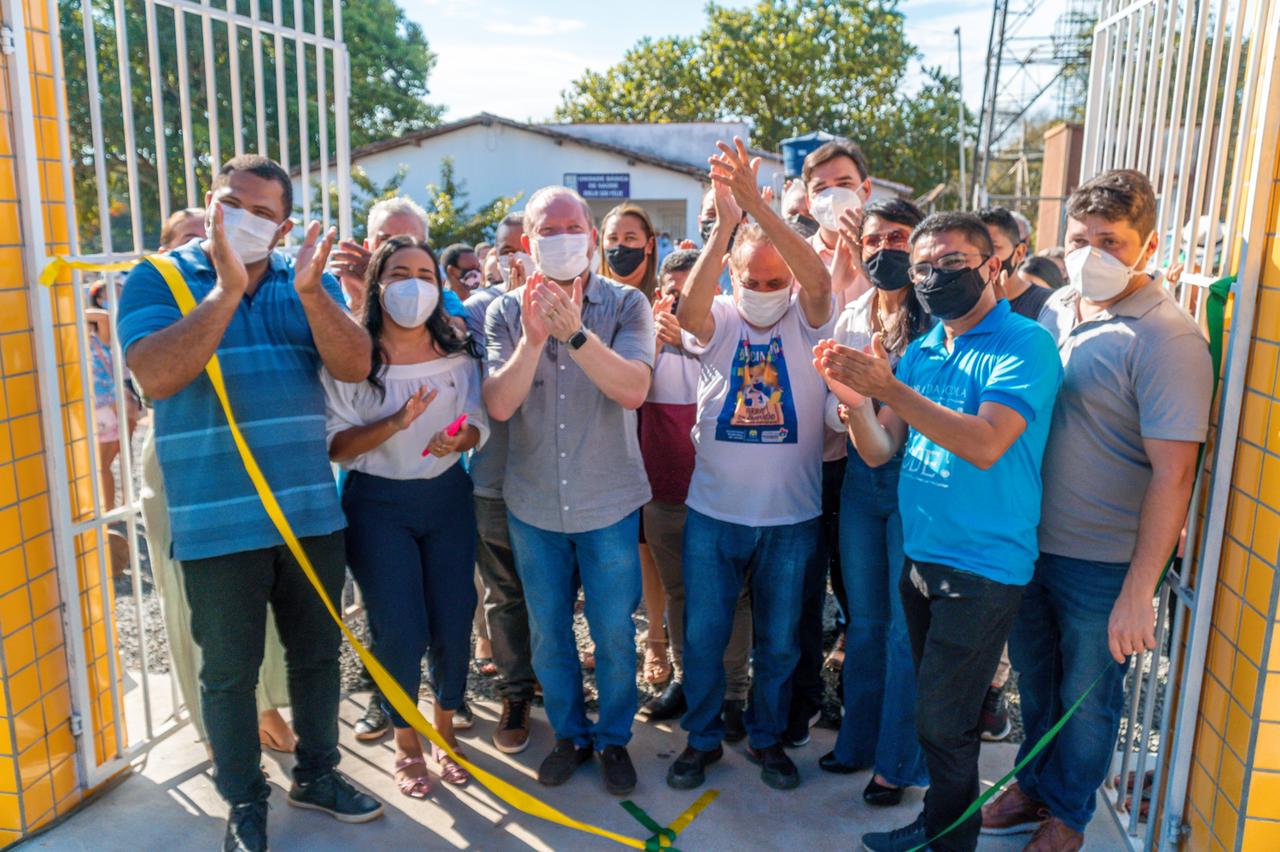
704 229
624 260
951 293
887 269
1007 266
806 226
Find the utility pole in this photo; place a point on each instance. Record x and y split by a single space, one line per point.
964 184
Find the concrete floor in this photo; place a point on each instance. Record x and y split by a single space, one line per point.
170 803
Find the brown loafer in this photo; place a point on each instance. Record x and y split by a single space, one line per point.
1013 812
1054 835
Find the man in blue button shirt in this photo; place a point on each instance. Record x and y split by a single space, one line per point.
272 323
970 407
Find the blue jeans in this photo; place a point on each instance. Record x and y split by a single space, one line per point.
879 725
411 545
719 557
609 563
1058 646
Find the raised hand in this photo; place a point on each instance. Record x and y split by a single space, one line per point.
737 170
412 408
517 275
232 276
727 209
686 244
535 327
349 262
308 269
562 314
665 325
828 362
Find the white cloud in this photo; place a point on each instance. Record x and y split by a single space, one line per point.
519 81
536 26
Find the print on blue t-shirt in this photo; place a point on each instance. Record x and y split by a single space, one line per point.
759 407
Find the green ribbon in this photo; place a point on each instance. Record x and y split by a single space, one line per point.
658 832
1215 317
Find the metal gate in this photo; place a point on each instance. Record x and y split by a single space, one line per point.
1188 93
207 81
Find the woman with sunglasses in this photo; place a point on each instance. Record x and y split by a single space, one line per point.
878 728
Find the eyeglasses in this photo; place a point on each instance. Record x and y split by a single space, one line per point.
893 239
920 272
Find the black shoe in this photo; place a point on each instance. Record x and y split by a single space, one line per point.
735 729
463 718
619 773
247 828
559 765
335 795
995 725
690 768
374 724
797 732
776 769
881 796
903 839
828 763
668 705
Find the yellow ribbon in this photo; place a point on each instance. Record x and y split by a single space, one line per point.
404 705
61 264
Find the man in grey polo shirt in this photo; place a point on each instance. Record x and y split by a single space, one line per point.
1118 472
570 356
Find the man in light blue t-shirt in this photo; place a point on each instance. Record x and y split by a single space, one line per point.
970 407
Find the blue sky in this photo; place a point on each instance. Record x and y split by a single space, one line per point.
514 57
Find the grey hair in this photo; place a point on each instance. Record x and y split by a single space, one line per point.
540 198
396 205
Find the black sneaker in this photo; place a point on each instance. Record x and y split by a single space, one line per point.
559 765
463 718
995 725
800 720
336 796
374 724
690 768
619 773
735 729
903 839
247 828
776 769
667 705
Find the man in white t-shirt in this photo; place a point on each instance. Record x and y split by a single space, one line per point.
755 499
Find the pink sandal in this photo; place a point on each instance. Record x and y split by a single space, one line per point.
451 772
414 788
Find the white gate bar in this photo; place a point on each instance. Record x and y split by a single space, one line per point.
245 22
1217 262
1150 128
260 106
1162 130
341 107
1137 93
1234 199
1093 103
300 66
233 65
210 87
1168 170
157 111
1195 139
1212 107
184 106
1264 143
130 136
322 119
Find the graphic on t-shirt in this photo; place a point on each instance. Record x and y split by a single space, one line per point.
758 409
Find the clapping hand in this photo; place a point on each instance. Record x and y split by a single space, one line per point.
868 374
232 276
350 261
665 325
826 357
308 269
535 327
412 408
562 314
735 169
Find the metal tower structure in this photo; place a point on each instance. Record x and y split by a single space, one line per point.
1029 66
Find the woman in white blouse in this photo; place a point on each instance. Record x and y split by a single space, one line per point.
411 522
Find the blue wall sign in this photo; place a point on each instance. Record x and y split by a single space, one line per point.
600 185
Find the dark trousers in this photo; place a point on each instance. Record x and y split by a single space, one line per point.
504 606
807 688
411 545
958 623
229 596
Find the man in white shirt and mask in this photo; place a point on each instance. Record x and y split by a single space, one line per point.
754 502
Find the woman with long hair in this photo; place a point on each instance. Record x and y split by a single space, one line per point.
878 728
411 522
630 256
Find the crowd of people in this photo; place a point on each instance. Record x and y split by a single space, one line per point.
969 445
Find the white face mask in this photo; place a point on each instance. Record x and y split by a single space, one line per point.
562 257
763 308
830 204
1097 275
410 302
504 263
251 237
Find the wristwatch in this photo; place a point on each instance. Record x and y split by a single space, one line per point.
579 339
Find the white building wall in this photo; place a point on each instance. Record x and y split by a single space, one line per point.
496 160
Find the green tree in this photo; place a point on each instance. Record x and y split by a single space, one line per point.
448 215
389 59
789 67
